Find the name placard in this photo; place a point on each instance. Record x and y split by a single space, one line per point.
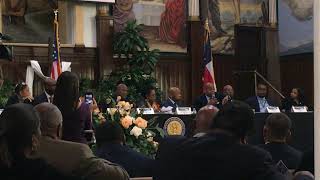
299 109
145 110
184 110
273 109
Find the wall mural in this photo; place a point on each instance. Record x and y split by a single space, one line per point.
222 18
27 21
164 21
295 26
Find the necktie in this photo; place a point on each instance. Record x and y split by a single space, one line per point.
50 99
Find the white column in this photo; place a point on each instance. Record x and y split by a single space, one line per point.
194 10
273 12
316 20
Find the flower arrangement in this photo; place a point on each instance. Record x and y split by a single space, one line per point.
139 132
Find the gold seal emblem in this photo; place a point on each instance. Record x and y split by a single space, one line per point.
174 126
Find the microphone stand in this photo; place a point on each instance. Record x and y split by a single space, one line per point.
257 74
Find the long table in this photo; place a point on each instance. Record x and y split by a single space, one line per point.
302 127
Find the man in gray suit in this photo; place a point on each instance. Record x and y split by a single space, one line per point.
69 157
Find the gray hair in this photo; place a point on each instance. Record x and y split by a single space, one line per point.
50 117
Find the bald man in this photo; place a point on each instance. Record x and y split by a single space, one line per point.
228 94
209 97
47 95
174 99
204 119
70 158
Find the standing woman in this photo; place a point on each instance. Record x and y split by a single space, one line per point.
21 95
296 99
76 113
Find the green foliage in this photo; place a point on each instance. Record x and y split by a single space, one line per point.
6 91
129 40
139 64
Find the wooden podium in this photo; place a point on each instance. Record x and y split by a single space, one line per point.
256 49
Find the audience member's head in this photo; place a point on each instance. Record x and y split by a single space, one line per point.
150 94
205 118
303 175
175 94
19 133
297 94
122 90
50 120
109 132
50 86
209 89
22 90
277 128
235 117
262 90
66 96
228 90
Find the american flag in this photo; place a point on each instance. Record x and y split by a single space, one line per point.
208 73
56 63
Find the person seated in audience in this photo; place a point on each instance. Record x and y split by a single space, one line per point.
174 99
228 94
221 153
209 97
303 175
204 119
68 157
19 139
260 102
21 95
276 130
47 95
110 146
296 99
76 114
150 99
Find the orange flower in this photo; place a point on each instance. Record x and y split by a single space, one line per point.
126 122
141 123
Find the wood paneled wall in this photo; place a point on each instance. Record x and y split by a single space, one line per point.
175 71
83 61
297 71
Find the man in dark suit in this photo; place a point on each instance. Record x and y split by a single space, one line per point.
275 132
70 158
47 95
260 102
221 153
209 97
120 94
174 99
110 146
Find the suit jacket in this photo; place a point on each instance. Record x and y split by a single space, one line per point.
40 99
136 164
280 151
254 103
202 101
14 99
168 103
217 156
78 160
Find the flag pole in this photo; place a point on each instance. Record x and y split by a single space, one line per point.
56 31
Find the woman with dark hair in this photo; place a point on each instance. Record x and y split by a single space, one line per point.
150 99
76 113
21 95
296 99
19 139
